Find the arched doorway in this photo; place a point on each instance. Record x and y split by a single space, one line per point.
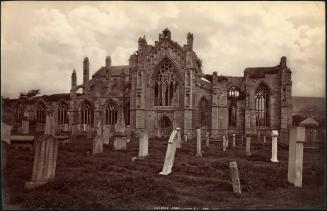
165 127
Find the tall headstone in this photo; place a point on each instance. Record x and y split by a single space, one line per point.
295 156
97 146
248 145
234 144
224 143
264 140
144 145
120 139
227 140
45 155
198 143
274 136
170 154
106 134
235 177
207 139
179 138
25 125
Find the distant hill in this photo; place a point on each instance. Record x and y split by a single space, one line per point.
299 103
310 107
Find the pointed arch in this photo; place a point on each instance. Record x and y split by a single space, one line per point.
41 111
203 107
165 81
87 114
262 99
111 111
62 113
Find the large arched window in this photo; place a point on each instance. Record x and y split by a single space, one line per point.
111 113
165 84
232 114
262 105
86 113
19 112
40 112
203 111
62 113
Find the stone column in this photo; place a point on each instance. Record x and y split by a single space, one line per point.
143 145
170 154
45 156
207 139
248 145
235 177
274 136
198 143
234 144
295 156
224 143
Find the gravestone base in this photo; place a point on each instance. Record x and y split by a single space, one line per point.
32 185
120 142
142 156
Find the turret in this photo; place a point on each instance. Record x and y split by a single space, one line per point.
190 40
86 70
283 62
108 62
166 34
74 79
142 43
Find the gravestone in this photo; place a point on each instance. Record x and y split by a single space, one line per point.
45 155
274 136
120 139
97 146
179 138
25 125
259 136
234 144
227 140
185 138
144 144
248 145
106 134
295 156
224 143
5 132
207 139
170 154
235 177
198 143
264 140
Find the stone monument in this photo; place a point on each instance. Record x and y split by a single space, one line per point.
170 154
97 145
45 155
295 156
198 143
234 144
274 136
235 177
144 145
248 145
120 139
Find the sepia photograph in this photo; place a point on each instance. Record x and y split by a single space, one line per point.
163 105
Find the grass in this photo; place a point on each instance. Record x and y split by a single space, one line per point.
111 180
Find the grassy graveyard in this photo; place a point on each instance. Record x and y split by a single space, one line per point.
112 180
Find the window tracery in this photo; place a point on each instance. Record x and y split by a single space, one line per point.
63 113
262 105
165 84
41 112
86 113
111 113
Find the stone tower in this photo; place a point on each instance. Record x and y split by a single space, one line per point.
86 72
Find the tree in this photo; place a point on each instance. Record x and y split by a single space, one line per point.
29 95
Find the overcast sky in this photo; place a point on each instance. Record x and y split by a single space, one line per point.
41 42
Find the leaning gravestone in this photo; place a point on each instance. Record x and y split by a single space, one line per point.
45 155
274 135
144 145
235 177
120 140
170 154
295 156
198 143
97 141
